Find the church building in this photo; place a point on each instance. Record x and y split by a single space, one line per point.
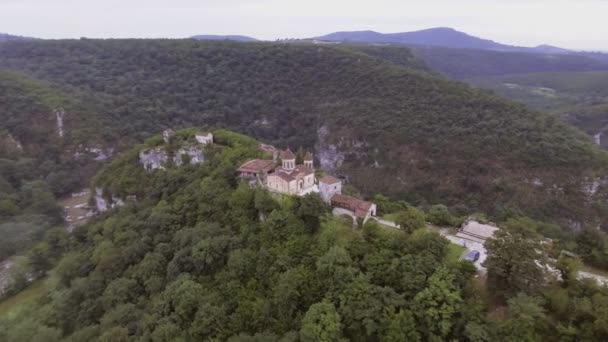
291 178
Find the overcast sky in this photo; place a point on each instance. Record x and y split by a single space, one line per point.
576 24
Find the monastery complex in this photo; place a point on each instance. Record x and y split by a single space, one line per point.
283 175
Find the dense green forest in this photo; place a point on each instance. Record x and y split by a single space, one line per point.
36 164
579 98
473 63
201 256
371 115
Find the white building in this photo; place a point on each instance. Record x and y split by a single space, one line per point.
204 138
328 187
476 231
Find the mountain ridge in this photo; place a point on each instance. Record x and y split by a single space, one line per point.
439 36
9 37
236 38
349 105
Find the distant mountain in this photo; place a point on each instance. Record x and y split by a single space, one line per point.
441 36
236 38
4 37
473 63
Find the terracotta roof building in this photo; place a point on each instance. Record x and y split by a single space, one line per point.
358 208
256 168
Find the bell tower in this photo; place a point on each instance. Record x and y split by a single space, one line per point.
308 160
288 159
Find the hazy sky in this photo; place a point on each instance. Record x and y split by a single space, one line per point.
576 24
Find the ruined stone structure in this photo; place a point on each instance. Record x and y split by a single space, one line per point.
153 159
157 158
168 134
194 153
204 138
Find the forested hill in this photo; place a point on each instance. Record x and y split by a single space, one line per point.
389 128
469 63
54 130
200 256
4 37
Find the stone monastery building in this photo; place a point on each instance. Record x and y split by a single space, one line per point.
299 179
291 178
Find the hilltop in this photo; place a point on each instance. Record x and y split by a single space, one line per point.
438 36
459 55
5 37
200 255
236 38
386 127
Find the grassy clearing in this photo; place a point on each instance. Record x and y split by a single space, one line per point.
454 252
12 305
390 217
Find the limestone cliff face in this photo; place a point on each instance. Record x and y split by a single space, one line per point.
157 158
102 204
153 159
330 157
194 153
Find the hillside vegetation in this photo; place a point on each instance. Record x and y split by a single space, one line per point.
470 63
580 98
36 164
202 257
388 128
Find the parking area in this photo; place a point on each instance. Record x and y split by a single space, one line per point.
470 246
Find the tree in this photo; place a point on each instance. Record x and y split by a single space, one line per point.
411 219
39 258
568 267
401 326
592 246
335 269
321 323
515 264
525 319
263 202
440 215
362 308
311 207
438 303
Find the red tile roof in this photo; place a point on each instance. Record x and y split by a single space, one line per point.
289 175
329 180
256 166
359 207
287 155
